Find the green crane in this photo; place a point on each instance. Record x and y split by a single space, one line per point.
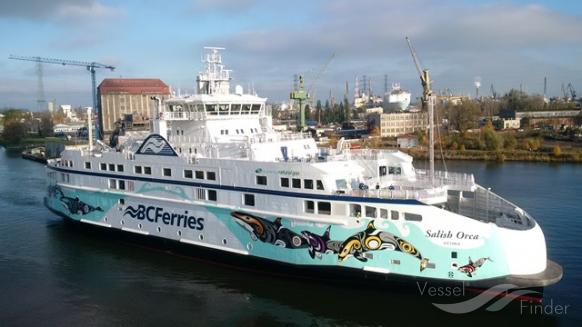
301 95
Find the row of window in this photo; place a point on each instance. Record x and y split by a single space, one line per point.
383 170
199 174
67 163
372 212
206 194
110 167
296 183
120 184
146 170
323 208
239 131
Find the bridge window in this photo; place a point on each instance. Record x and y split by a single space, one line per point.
256 108
120 168
308 184
235 109
199 174
412 216
324 208
188 173
284 182
309 206
210 175
167 172
147 170
223 109
394 170
382 171
211 109
261 180
319 184
87 164
246 109
111 167
249 199
296 183
103 166
137 169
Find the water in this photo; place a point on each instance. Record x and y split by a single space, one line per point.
50 274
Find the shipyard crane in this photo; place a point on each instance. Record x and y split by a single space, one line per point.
493 92
572 91
423 73
300 95
428 103
312 90
90 66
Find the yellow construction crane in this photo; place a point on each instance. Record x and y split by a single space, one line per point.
427 104
423 73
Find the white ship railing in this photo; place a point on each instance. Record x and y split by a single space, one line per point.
485 205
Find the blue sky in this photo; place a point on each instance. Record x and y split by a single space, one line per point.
505 43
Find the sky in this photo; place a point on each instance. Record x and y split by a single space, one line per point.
504 43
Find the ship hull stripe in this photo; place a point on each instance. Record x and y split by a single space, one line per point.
344 198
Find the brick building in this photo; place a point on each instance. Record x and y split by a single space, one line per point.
120 96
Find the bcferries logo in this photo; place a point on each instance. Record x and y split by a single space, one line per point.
157 214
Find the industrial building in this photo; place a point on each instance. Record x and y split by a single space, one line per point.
398 123
553 119
121 96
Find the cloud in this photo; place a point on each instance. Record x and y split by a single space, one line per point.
57 9
457 41
93 10
229 6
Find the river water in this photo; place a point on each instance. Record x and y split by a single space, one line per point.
50 274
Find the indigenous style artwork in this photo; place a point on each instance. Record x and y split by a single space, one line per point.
470 268
73 205
359 245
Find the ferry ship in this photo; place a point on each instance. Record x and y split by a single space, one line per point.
213 177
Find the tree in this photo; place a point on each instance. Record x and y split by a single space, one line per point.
490 138
46 125
463 116
348 113
557 151
509 142
14 132
319 109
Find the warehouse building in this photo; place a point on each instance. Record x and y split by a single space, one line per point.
398 123
121 96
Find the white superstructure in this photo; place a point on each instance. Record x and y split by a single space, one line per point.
397 99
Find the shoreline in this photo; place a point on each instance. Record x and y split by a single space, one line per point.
499 156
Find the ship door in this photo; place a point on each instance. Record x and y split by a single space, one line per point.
284 153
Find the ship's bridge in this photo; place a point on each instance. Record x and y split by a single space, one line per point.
215 107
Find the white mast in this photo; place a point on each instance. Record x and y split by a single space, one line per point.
215 79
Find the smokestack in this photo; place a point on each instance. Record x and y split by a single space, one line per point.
477 83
